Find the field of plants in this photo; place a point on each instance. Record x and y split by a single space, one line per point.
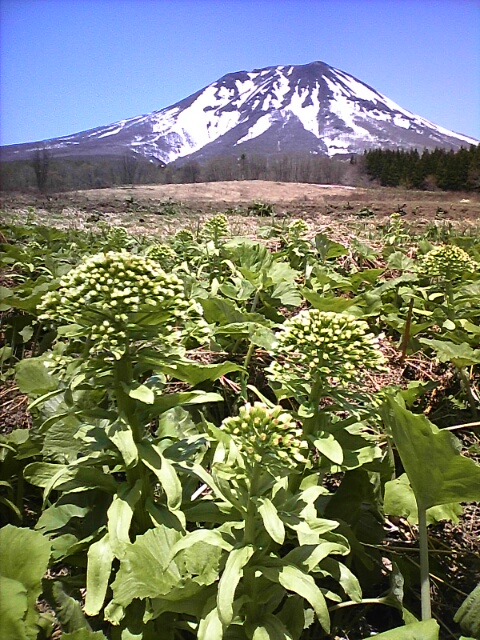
212 436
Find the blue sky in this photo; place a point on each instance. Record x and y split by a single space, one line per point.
71 65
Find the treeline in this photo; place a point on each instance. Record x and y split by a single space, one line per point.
429 170
45 173
438 169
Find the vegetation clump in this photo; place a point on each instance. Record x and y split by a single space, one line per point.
323 344
447 261
267 434
105 292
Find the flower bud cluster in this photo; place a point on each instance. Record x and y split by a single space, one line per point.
266 435
447 261
323 344
297 228
183 236
163 254
102 292
215 228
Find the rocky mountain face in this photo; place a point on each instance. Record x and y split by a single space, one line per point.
312 108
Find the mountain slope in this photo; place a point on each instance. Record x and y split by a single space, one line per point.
311 108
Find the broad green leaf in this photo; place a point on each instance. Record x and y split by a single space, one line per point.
68 610
400 500
327 303
32 377
210 625
236 561
293 579
427 630
120 514
196 372
329 447
448 477
468 615
170 400
262 337
204 536
461 355
68 478
329 248
152 457
24 556
342 574
271 520
140 392
145 571
57 516
99 567
120 433
84 634
270 628
13 608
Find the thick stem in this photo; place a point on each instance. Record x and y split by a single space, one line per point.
406 332
424 566
468 390
249 533
450 300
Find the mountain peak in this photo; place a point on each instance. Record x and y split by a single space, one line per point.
311 108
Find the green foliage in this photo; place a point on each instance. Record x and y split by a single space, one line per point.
212 452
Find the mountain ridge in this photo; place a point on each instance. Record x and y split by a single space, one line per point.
312 108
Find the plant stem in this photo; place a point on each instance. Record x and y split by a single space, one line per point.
468 390
249 533
406 333
424 565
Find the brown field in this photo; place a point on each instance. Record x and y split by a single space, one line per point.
163 209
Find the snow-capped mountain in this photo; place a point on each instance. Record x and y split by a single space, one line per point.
311 108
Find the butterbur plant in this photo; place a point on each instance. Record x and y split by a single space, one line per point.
447 262
164 254
317 355
215 229
115 298
267 436
316 351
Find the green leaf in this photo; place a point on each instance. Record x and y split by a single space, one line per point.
140 392
468 615
120 433
236 561
152 457
170 400
270 628
400 500
84 634
57 516
145 571
195 372
329 447
24 556
448 477
293 579
120 514
99 567
271 520
426 630
13 608
461 355
68 610
33 377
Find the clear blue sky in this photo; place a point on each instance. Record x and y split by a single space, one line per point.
71 65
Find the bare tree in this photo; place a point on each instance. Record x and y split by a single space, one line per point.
41 166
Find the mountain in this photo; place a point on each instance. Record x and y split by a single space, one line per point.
312 108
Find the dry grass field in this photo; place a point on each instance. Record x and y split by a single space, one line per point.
163 209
